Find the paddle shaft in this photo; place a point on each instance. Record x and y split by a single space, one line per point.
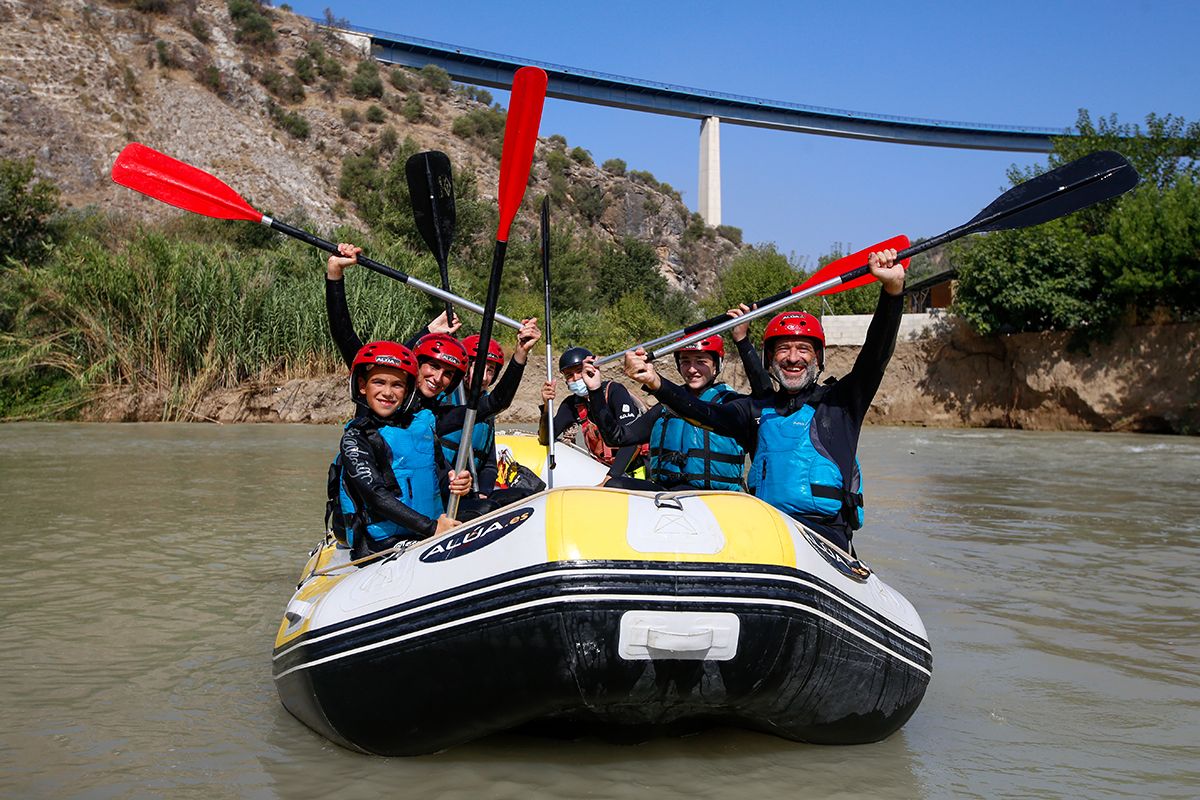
550 464
476 387
710 322
516 159
383 269
979 223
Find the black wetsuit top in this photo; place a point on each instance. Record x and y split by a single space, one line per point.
620 404
364 458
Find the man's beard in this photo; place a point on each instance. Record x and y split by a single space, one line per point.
795 383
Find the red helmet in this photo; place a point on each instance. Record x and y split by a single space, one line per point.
381 354
795 323
495 353
442 347
709 344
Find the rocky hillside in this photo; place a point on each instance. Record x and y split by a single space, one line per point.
206 82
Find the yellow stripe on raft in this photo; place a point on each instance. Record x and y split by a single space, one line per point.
594 525
311 591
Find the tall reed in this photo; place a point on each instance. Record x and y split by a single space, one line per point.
165 310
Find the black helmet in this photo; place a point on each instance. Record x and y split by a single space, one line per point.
573 357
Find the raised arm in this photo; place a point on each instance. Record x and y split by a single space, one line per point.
340 326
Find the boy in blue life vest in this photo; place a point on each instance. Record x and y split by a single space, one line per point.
803 437
391 479
442 363
682 455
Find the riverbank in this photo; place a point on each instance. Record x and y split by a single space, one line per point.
1147 379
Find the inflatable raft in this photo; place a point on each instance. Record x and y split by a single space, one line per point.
600 610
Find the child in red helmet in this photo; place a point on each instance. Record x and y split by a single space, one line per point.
388 482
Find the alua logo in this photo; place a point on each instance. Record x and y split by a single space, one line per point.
472 539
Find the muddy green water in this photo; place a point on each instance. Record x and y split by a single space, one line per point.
147 567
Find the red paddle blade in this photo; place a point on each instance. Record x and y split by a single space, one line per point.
156 175
520 137
853 261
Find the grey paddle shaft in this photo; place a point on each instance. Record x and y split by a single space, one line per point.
453 298
666 337
384 269
460 460
549 354
733 322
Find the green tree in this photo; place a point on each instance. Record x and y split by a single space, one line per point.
436 79
616 166
1131 259
754 273
581 156
366 82
26 207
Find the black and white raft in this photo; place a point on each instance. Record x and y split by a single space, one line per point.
596 610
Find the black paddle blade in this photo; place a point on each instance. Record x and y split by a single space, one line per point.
1072 187
431 188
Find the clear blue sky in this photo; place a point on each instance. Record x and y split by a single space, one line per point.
1015 63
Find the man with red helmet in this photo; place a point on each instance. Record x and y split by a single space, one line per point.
384 485
682 455
442 363
803 437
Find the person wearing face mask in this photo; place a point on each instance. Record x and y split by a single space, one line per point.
572 411
803 437
683 456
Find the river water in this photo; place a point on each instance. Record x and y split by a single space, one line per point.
149 565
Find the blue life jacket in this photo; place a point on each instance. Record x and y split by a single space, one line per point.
797 473
412 472
483 440
683 453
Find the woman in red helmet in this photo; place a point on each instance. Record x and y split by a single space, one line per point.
681 455
804 436
386 485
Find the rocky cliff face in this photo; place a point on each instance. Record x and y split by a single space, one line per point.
79 80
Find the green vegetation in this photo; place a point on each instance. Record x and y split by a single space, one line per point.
366 82
730 232
1134 259
26 208
289 89
375 115
290 122
477 94
483 125
175 310
251 25
413 109
436 79
306 70
614 165
581 156
210 78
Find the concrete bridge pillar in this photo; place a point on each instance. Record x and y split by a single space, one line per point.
710 170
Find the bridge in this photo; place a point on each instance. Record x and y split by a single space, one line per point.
495 70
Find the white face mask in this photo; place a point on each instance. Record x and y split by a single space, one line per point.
578 387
